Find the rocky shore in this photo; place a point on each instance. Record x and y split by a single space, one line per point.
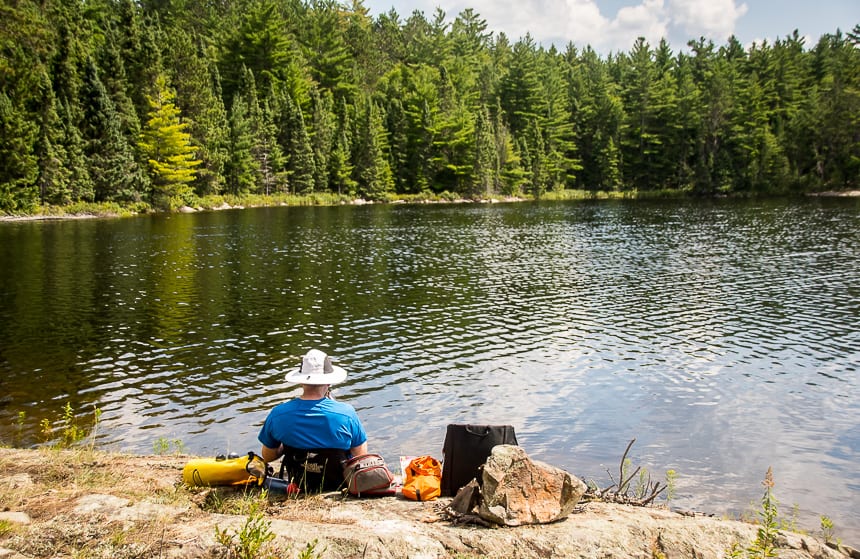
95 504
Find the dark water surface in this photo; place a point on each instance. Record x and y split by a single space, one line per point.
724 336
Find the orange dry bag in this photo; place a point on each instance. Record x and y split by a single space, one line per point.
423 479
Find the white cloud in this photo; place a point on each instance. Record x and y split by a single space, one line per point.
710 18
584 22
647 19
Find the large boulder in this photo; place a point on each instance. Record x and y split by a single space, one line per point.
517 490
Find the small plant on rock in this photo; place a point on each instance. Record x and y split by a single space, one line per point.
671 484
251 540
827 531
764 544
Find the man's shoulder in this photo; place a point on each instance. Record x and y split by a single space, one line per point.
340 407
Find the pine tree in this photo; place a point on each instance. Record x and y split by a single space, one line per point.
372 172
453 138
539 176
168 149
340 162
509 174
398 133
520 89
115 173
81 187
322 104
265 150
18 163
139 42
240 167
297 146
640 143
556 121
325 49
262 43
485 171
115 80
54 176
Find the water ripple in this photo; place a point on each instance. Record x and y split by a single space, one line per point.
723 336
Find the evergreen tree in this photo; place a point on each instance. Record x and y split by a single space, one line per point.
325 48
139 42
509 175
322 104
115 173
453 138
81 187
18 163
198 85
265 150
398 133
54 176
239 167
262 42
114 78
778 117
300 167
642 144
539 176
486 168
372 172
167 147
422 150
556 122
520 89
340 162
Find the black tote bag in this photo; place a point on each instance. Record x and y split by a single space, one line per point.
466 449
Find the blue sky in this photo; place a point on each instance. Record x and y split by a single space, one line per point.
613 25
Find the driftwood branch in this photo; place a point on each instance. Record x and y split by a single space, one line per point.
621 486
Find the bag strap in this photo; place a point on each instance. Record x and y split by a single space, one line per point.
479 430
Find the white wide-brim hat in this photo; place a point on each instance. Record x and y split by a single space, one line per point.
317 369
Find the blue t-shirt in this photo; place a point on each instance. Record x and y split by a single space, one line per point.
310 424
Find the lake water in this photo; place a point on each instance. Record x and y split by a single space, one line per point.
724 336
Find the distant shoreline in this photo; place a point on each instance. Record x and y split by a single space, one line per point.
356 202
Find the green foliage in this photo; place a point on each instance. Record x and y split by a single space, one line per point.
765 543
642 483
310 551
250 541
64 431
19 426
163 445
168 150
316 97
6 527
671 484
827 531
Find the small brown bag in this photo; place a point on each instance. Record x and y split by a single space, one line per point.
368 476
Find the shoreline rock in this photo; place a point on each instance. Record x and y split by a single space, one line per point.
95 503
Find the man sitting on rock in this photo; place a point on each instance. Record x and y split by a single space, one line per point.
314 433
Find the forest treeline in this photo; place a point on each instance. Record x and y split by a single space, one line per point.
164 102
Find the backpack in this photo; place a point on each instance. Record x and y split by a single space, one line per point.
368 476
315 470
423 479
465 451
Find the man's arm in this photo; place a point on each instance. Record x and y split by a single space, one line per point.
359 450
271 454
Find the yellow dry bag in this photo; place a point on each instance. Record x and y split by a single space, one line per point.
241 470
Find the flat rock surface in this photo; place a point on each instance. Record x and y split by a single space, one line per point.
97 504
